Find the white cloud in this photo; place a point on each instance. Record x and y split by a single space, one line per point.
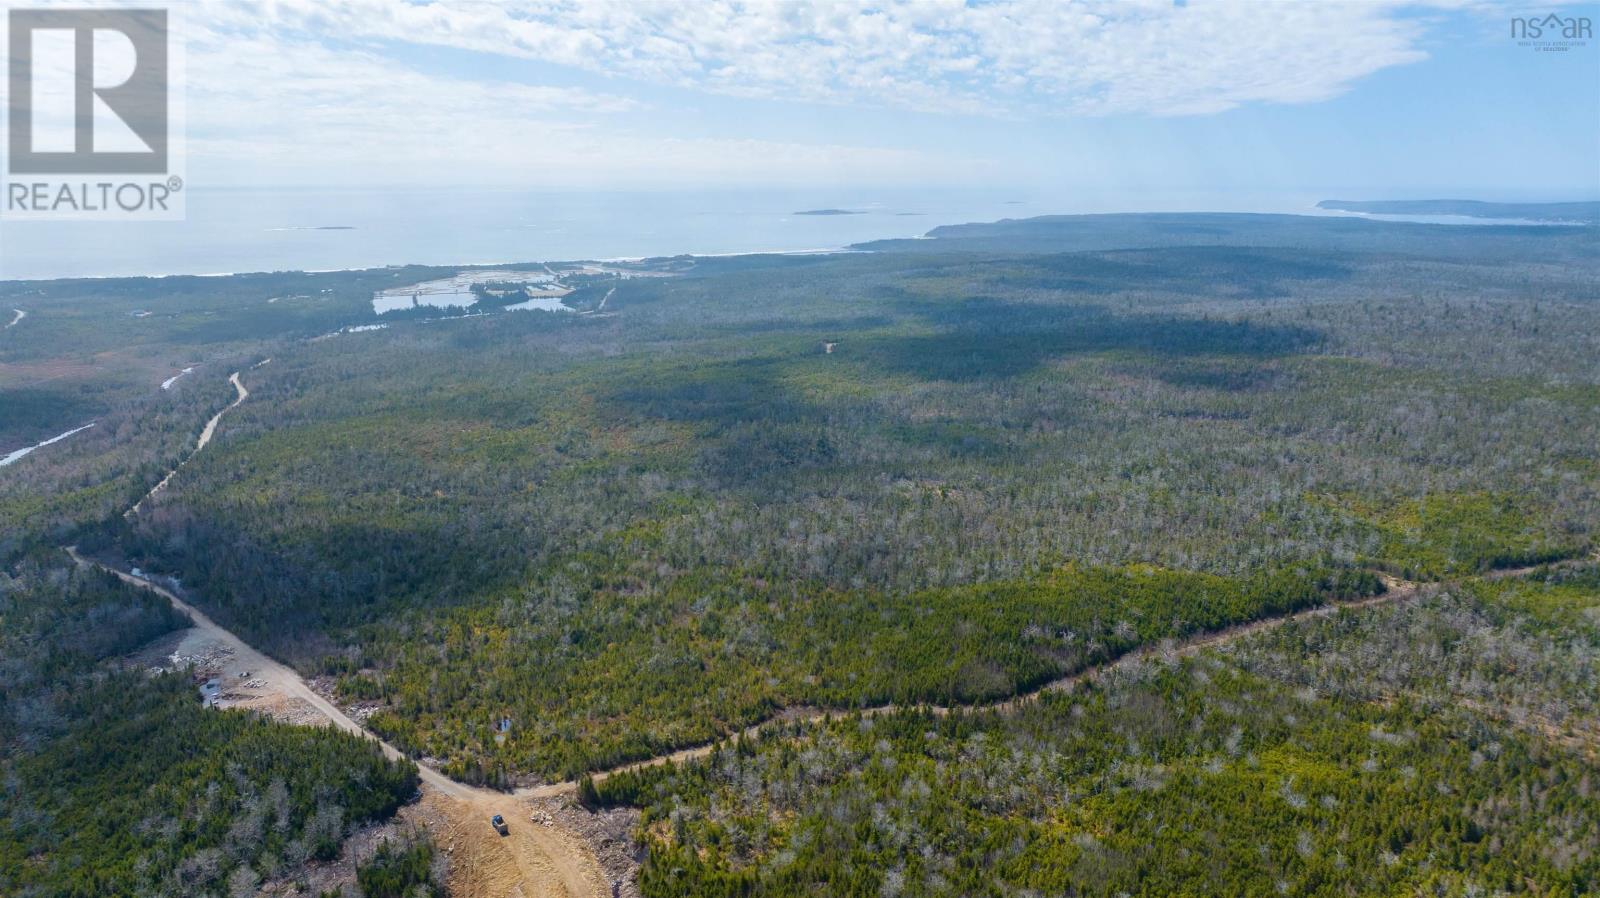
334 90
262 108
268 101
1017 56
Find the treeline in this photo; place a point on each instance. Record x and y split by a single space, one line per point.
75 491
148 793
116 782
615 679
1388 751
1443 535
638 532
1511 246
93 346
59 622
843 481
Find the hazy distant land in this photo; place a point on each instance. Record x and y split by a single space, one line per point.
1575 213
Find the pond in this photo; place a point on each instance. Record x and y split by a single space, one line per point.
456 292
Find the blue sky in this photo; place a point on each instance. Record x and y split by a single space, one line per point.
1126 99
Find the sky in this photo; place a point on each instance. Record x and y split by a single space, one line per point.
1374 98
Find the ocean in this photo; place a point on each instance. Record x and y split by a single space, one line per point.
235 230
289 228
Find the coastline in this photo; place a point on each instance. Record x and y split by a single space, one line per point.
857 246
504 263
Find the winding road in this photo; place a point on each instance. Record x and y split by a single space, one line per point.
15 321
546 860
1396 591
206 434
531 860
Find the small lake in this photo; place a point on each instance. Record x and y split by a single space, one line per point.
543 304
394 303
456 292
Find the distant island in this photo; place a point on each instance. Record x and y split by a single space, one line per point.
830 212
1572 213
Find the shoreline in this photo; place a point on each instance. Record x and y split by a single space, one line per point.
1309 212
840 250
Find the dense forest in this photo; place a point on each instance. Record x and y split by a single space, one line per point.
1443 747
635 532
528 545
113 782
146 793
620 683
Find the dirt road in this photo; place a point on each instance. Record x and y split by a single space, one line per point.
534 860
16 320
604 299
244 663
543 860
206 434
1396 590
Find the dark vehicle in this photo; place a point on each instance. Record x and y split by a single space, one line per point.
499 824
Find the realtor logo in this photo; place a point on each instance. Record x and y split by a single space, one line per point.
1552 33
89 95
139 101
